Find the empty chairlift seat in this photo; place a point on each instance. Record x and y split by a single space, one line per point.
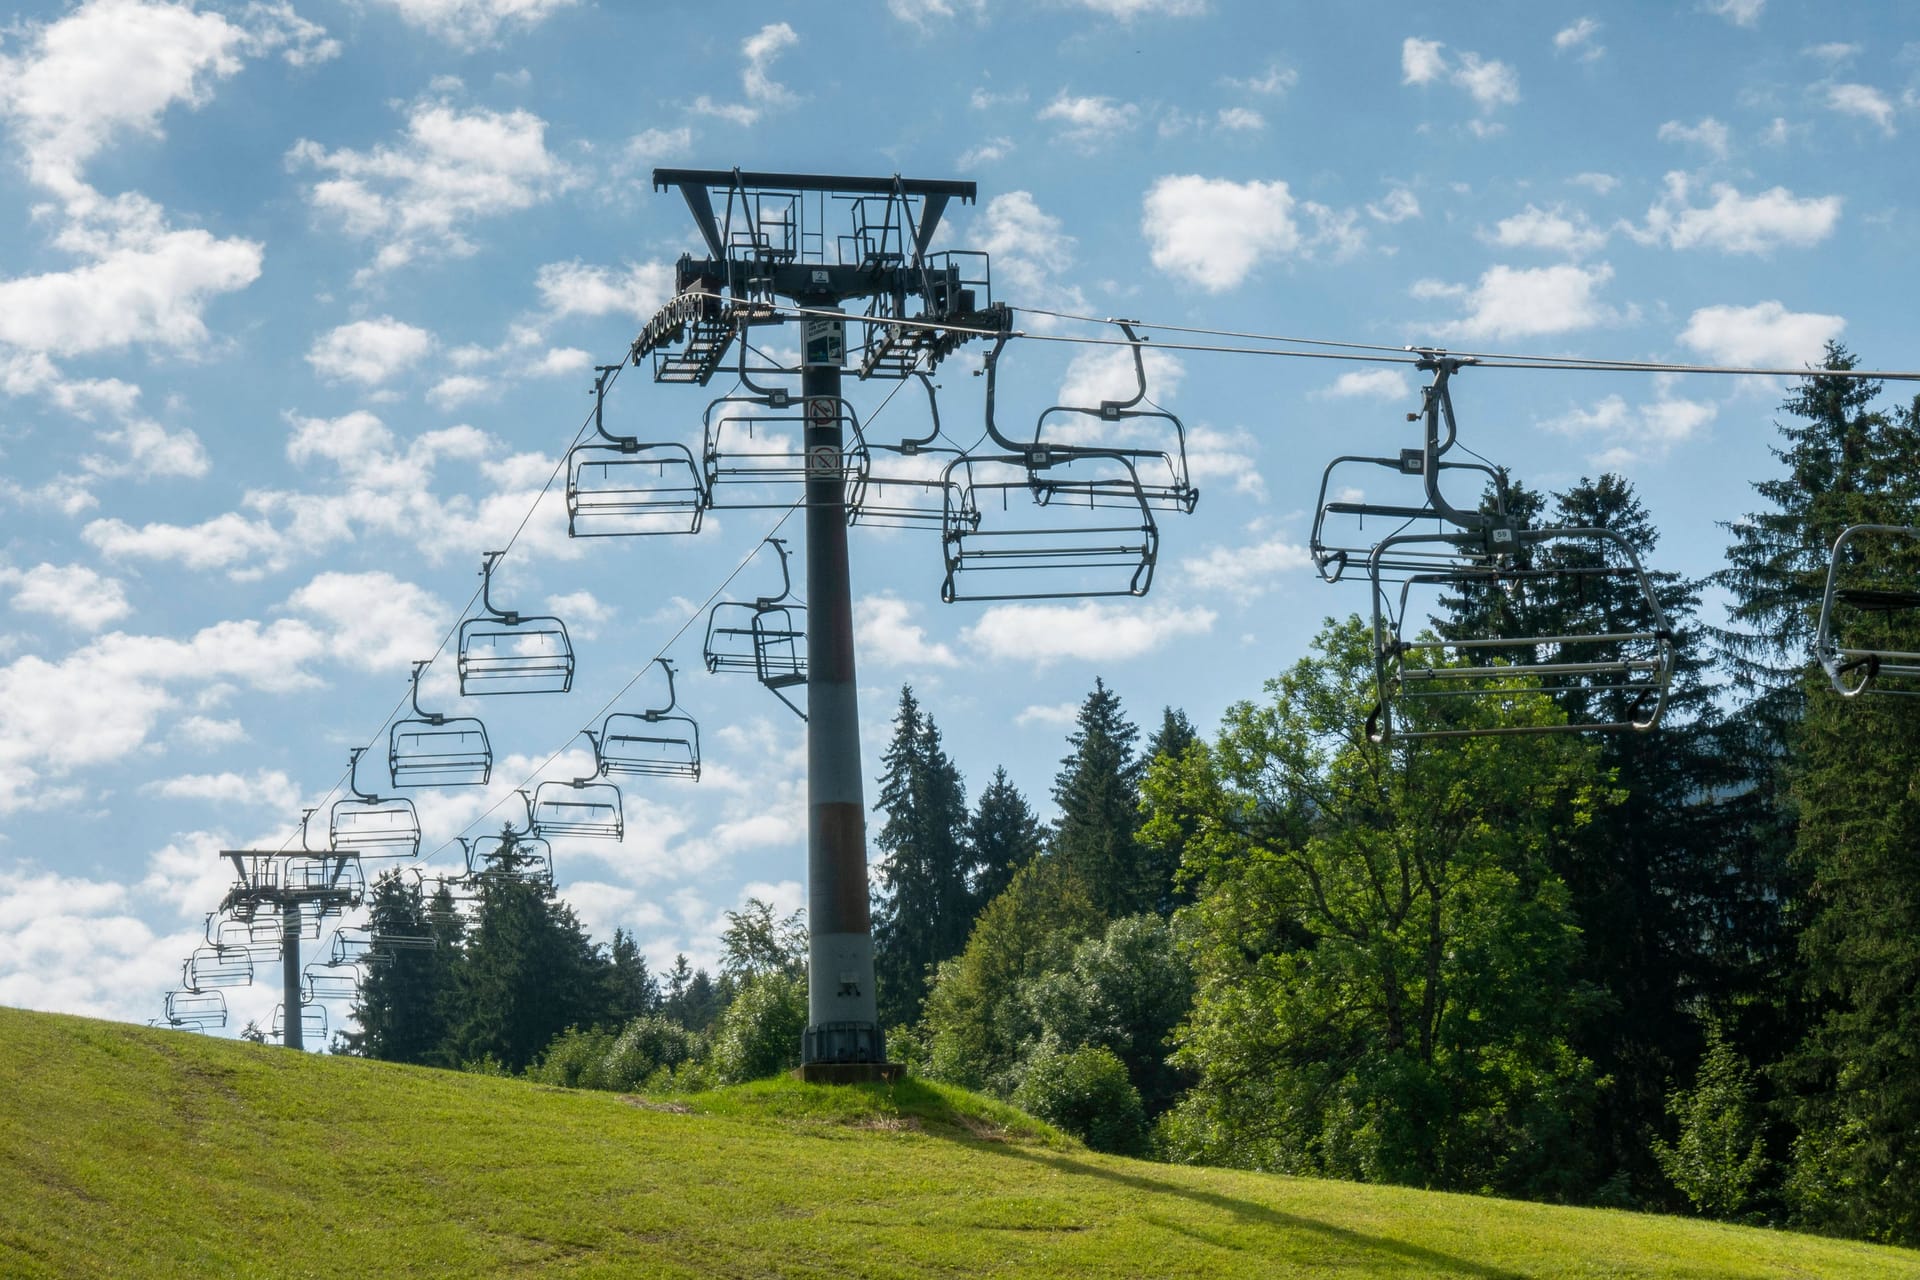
767 637
505 652
209 968
511 855
659 742
313 1022
324 980
1868 639
904 485
371 826
428 749
622 486
196 1010
1070 525
582 807
1152 440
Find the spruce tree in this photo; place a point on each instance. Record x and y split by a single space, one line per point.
1098 792
926 904
631 989
1004 835
404 998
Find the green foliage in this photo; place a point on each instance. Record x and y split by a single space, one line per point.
1123 991
650 1053
406 1005
759 1034
754 943
1086 1093
1004 835
977 1023
1098 792
575 1060
1382 950
1721 1153
925 902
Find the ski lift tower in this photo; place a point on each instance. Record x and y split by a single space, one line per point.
766 241
296 887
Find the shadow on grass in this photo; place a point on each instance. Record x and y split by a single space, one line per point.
1426 1261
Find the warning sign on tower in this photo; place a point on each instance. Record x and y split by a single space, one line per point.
825 342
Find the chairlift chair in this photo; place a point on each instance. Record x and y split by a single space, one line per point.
428 749
580 807
351 945
380 944
229 933
1607 679
658 742
904 485
209 968
324 980
1159 475
367 825
503 652
196 1010
533 862
1868 639
313 1022
622 486
767 637
1078 527
334 874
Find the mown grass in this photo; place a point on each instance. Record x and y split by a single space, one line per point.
127 1151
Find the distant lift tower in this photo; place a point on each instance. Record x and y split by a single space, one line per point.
766 240
297 889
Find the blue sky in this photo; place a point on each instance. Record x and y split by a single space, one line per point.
299 305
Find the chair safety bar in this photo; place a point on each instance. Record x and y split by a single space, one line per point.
504 652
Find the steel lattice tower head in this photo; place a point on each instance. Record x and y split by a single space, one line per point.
767 241
291 886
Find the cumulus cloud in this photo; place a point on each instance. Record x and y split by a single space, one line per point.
1628 434
263 788
1736 223
369 351
1708 134
74 594
1863 101
1511 302
1243 571
471 24
1552 229
758 53
992 151
1091 120
1578 38
1369 384
885 630
1397 205
1045 634
419 196
577 288
1489 82
1765 334
373 621
1214 232
1741 13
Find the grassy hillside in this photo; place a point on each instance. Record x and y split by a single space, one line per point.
128 1151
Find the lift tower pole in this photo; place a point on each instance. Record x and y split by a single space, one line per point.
291 887
767 242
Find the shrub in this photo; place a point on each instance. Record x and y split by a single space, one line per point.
1087 1093
759 1034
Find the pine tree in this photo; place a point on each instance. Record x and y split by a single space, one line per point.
926 905
530 970
1004 835
631 990
1098 792
405 995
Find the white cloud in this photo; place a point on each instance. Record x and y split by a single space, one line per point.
1709 135
418 196
458 389
1511 302
1276 80
1635 434
1397 205
1029 249
1862 100
1549 229
1241 120
73 593
578 289
148 451
1765 334
369 351
761 49
1107 373
1091 120
1044 634
1213 232
1127 10
1214 453
652 145
991 151
1834 52
470 24
1243 571
1421 61
1489 82
373 621
221 542
1598 183
1059 715
1736 223
204 731
106 68
263 788
1371 384
732 112
1580 37
884 628
1742 13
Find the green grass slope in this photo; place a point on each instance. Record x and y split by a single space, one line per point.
131 1152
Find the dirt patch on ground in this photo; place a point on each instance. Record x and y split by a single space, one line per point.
892 1124
648 1104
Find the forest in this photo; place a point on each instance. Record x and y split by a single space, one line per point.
1676 970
